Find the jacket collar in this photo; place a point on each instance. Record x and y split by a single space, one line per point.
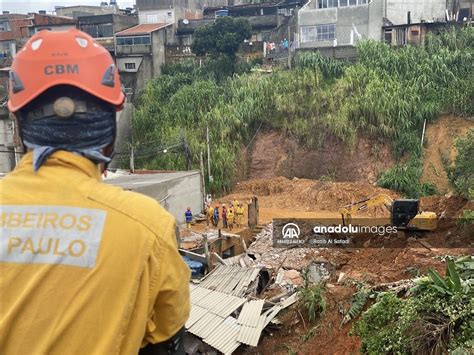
62 158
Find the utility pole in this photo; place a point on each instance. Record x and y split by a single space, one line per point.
203 184
208 155
132 159
289 48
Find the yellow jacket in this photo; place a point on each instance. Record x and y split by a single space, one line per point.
85 267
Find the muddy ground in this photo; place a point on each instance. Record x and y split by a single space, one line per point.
282 197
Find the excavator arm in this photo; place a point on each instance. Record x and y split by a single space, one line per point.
379 200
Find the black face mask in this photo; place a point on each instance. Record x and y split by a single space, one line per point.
86 133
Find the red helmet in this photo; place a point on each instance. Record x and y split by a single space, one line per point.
57 58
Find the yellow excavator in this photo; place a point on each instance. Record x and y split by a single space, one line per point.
404 213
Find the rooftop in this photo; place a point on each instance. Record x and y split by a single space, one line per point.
134 181
142 29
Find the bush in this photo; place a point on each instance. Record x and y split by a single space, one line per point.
436 317
312 298
461 174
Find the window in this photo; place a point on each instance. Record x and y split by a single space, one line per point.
324 4
415 32
308 34
130 66
352 2
318 33
343 3
5 26
152 18
130 41
99 31
169 14
326 32
388 36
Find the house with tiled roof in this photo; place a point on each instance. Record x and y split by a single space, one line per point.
140 52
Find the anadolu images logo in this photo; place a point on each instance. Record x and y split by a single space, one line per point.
290 231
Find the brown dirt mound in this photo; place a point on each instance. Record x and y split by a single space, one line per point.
308 195
440 150
274 154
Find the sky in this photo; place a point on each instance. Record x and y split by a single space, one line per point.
24 6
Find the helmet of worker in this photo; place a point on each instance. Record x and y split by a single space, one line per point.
64 92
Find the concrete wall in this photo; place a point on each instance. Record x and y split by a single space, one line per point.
54 28
6 142
177 194
80 10
158 42
352 23
157 16
123 138
420 10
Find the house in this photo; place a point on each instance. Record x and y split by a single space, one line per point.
13 34
85 10
42 21
7 152
140 52
168 11
103 27
332 23
327 23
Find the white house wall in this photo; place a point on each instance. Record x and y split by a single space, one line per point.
420 10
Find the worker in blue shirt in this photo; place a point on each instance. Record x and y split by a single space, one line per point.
189 217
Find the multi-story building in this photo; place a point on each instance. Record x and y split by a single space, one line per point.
140 52
42 21
331 23
87 10
13 32
104 27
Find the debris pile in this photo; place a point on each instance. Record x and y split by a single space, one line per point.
225 322
267 256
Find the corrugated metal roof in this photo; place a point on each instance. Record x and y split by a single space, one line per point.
196 314
231 279
209 311
142 29
206 325
251 322
250 313
224 338
210 318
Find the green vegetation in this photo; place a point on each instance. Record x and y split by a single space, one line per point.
386 95
438 316
311 297
221 41
461 174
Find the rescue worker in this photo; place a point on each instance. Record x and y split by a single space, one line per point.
210 214
230 218
85 267
224 215
189 217
215 218
239 215
235 204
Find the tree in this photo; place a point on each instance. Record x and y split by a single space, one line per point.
223 37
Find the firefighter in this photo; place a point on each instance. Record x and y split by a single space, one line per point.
210 213
230 218
239 215
86 267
